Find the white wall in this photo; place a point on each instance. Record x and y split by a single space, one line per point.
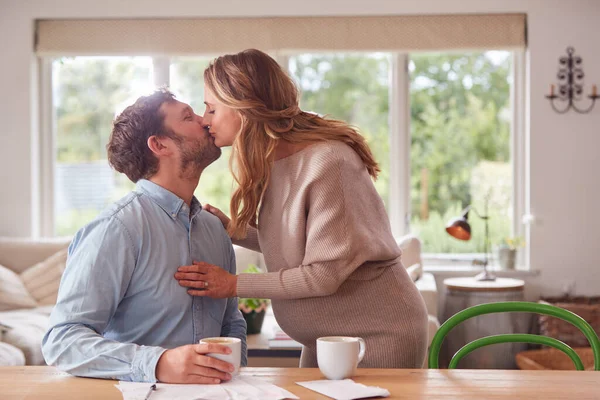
564 180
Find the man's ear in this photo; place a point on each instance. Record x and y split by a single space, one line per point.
158 145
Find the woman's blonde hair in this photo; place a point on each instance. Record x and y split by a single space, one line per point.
266 98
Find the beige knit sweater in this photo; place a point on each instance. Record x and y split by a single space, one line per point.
334 266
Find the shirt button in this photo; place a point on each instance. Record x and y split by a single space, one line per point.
173 215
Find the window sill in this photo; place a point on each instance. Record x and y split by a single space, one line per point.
455 270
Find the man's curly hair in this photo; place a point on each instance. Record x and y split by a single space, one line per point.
127 148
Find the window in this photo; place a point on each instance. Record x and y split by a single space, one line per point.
455 111
187 82
87 93
460 146
460 122
353 88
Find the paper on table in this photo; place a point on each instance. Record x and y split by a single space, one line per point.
239 388
345 389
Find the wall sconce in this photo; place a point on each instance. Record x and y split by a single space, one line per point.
570 88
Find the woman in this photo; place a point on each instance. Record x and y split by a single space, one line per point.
305 198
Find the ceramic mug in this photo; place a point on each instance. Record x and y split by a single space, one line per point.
235 357
338 356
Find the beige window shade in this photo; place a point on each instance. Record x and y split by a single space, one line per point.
220 35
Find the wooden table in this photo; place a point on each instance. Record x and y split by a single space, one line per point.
20 383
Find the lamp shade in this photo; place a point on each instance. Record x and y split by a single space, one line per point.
459 228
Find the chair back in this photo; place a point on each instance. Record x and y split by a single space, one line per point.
514 306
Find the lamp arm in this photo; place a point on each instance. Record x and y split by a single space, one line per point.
469 208
465 213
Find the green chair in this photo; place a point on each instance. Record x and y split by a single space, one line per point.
514 306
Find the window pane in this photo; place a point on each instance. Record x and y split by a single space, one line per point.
88 92
354 88
187 82
460 146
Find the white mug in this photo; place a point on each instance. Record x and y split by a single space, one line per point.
338 356
235 357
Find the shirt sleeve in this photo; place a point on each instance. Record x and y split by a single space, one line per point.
343 209
234 324
100 264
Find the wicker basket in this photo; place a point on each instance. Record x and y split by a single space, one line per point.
552 359
587 308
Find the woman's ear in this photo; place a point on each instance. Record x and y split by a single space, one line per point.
158 145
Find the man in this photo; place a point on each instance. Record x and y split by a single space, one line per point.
120 312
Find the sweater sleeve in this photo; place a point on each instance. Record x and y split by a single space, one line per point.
341 204
250 242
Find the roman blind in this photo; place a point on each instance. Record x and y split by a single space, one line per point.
220 35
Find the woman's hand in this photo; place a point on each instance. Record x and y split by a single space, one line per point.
208 280
219 214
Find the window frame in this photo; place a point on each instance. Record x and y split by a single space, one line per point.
399 124
47 151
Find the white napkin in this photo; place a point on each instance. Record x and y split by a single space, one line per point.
239 388
345 389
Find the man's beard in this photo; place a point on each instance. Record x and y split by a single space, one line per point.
197 155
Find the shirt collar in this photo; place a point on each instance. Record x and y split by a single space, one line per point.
168 201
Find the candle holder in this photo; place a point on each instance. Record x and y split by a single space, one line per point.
570 85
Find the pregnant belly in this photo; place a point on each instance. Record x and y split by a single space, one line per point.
358 308
304 320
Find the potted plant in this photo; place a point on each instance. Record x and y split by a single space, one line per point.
253 310
507 251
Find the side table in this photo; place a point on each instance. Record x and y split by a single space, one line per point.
261 354
463 293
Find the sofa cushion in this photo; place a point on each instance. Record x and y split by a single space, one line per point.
18 254
42 279
27 329
10 356
411 250
428 289
414 271
13 294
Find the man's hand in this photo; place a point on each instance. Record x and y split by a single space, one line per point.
207 280
189 364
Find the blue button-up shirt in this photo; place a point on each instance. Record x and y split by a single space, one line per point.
119 306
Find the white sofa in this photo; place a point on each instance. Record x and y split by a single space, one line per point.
25 307
425 282
25 326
